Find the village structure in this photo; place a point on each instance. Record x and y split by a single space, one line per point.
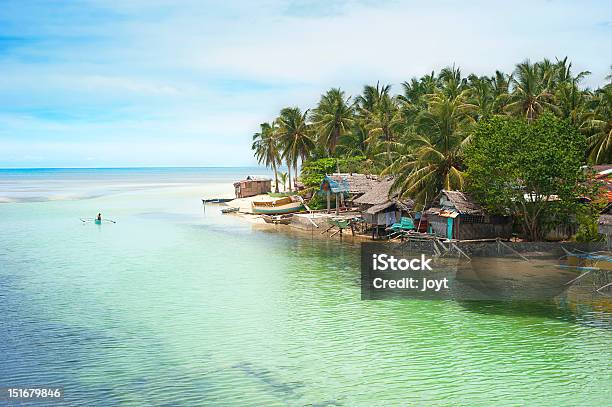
367 205
252 185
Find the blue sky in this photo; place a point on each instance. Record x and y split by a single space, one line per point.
156 82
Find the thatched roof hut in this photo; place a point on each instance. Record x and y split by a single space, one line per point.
604 224
252 185
379 203
459 202
457 216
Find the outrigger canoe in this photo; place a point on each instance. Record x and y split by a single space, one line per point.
288 204
277 219
96 221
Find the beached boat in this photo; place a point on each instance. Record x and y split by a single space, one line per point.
277 219
288 204
230 210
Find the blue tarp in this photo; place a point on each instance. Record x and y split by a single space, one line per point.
335 187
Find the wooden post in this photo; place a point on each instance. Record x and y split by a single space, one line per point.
328 202
337 204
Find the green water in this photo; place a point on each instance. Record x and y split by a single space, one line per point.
173 306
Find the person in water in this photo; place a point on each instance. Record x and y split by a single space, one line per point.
99 217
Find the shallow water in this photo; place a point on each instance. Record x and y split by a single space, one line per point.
176 306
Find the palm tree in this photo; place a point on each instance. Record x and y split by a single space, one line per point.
530 91
600 140
436 162
385 122
370 97
482 94
358 143
501 84
571 104
294 136
332 118
266 148
451 82
283 179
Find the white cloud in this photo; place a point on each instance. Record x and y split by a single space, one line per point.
198 75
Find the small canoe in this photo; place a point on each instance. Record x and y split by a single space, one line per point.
277 219
96 221
229 210
288 204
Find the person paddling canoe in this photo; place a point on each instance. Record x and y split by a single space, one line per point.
99 217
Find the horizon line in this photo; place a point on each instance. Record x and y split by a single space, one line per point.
131 167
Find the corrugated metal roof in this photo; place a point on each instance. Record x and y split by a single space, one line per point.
351 183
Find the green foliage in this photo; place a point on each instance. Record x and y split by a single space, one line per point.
314 171
533 171
319 201
587 218
419 135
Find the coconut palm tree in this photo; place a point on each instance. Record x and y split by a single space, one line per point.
385 122
266 148
530 91
370 97
294 136
481 93
451 82
442 131
332 118
283 179
600 140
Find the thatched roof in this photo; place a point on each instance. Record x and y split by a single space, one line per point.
462 203
258 178
377 194
379 208
381 198
351 183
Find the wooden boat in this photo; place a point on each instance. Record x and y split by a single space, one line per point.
340 223
288 204
277 219
217 200
229 210
96 220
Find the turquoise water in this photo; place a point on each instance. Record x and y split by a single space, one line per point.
174 305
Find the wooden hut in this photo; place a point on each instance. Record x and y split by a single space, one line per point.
252 185
605 224
380 208
346 187
457 216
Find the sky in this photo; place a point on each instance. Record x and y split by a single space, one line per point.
120 83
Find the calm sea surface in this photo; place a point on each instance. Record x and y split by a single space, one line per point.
174 305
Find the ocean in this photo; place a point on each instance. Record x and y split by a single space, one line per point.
178 305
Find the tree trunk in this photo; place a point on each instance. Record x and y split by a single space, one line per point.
275 178
289 173
337 204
